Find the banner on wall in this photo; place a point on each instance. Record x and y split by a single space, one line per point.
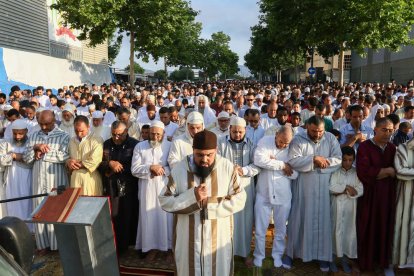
58 32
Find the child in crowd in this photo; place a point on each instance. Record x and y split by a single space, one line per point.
295 121
401 136
345 188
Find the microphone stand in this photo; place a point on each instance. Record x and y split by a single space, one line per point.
60 189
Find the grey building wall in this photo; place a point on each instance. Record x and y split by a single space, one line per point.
383 65
24 25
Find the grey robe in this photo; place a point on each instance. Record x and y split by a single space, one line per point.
309 225
243 220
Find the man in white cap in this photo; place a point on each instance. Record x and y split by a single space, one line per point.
183 144
222 129
149 164
97 128
17 178
240 150
85 152
259 101
68 117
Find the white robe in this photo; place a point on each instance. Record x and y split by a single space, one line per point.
310 227
203 247
154 224
243 220
266 122
18 177
344 212
180 148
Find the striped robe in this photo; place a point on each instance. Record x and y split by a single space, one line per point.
48 172
203 248
403 249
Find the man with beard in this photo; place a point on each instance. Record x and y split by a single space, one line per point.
203 193
85 152
282 117
273 192
126 103
120 185
182 145
222 129
47 150
68 117
149 164
17 174
315 154
209 115
124 115
98 129
240 150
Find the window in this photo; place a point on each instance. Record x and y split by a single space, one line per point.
347 62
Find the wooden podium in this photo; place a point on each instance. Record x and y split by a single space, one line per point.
83 231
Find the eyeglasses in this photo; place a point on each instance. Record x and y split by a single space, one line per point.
118 135
249 100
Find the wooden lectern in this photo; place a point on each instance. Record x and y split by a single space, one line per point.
83 231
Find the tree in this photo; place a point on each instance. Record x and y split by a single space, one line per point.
216 56
148 23
137 69
161 75
114 46
267 56
182 74
332 27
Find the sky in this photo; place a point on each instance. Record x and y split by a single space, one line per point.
233 17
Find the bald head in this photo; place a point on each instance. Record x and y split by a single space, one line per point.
47 121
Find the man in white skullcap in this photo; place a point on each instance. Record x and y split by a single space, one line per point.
68 116
183 144
222 129
97 128
240 150
149 164
17 179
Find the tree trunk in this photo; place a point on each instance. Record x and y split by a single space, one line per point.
131 59
296 68
165 68
341 66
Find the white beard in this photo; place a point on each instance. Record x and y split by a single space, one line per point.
68 124
155 144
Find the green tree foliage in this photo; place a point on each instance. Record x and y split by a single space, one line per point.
137 69
331 27
114 46
182 74
161 75
149 24
216 56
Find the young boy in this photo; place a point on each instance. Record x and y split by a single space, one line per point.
295 121
401 136
345 188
